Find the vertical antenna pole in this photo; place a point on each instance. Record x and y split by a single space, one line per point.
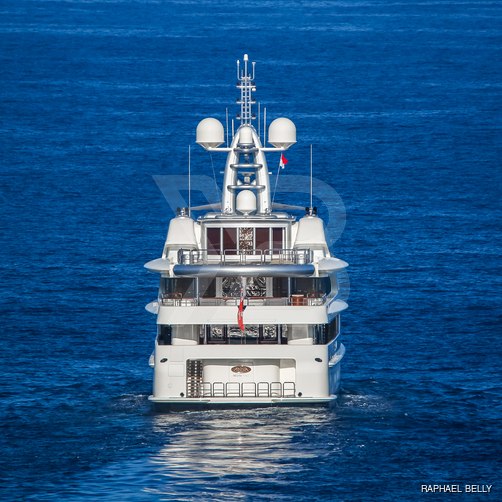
259 120
245 93
311 176
189 183
233 133
226 123
264 125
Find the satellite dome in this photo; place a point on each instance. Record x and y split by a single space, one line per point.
246 135
246 202
210 133
282 133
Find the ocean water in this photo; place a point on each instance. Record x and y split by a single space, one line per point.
402 100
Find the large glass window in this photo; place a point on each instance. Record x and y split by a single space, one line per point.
213 241
179 287
249 335
263 238
216 333
229 240
164 334
253 334
207 287
334 328
280 287
314 287
324 333
277 238
244 239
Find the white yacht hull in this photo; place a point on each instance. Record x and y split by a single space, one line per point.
248 308
277 375
236 402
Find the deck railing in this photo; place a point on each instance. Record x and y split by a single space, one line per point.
175 300
245 256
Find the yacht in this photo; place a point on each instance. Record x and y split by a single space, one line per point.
248 308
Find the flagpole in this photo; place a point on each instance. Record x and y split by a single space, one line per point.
282 164
276 180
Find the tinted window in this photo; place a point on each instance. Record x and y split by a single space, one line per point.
207 287
213 241
229 240
277 238
280 287
262 238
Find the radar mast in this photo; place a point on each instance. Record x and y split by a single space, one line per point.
245 82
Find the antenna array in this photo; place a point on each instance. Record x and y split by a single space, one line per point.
245 82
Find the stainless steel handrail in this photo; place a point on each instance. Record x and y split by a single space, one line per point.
244 256
296 300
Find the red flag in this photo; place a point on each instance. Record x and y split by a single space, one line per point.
283 161
240 312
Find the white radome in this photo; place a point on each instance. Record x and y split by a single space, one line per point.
246 135
210 133
282 133
246 202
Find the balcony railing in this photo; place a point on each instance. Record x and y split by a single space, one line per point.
178 301
245 256
175 300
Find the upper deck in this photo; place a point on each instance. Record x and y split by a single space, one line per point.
246 238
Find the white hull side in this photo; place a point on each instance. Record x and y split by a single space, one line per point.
277 375
256 402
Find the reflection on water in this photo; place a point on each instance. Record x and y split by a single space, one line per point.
282 454
255 445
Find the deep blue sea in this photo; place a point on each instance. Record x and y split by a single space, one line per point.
402 101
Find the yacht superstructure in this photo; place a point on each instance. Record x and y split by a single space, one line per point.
247 311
